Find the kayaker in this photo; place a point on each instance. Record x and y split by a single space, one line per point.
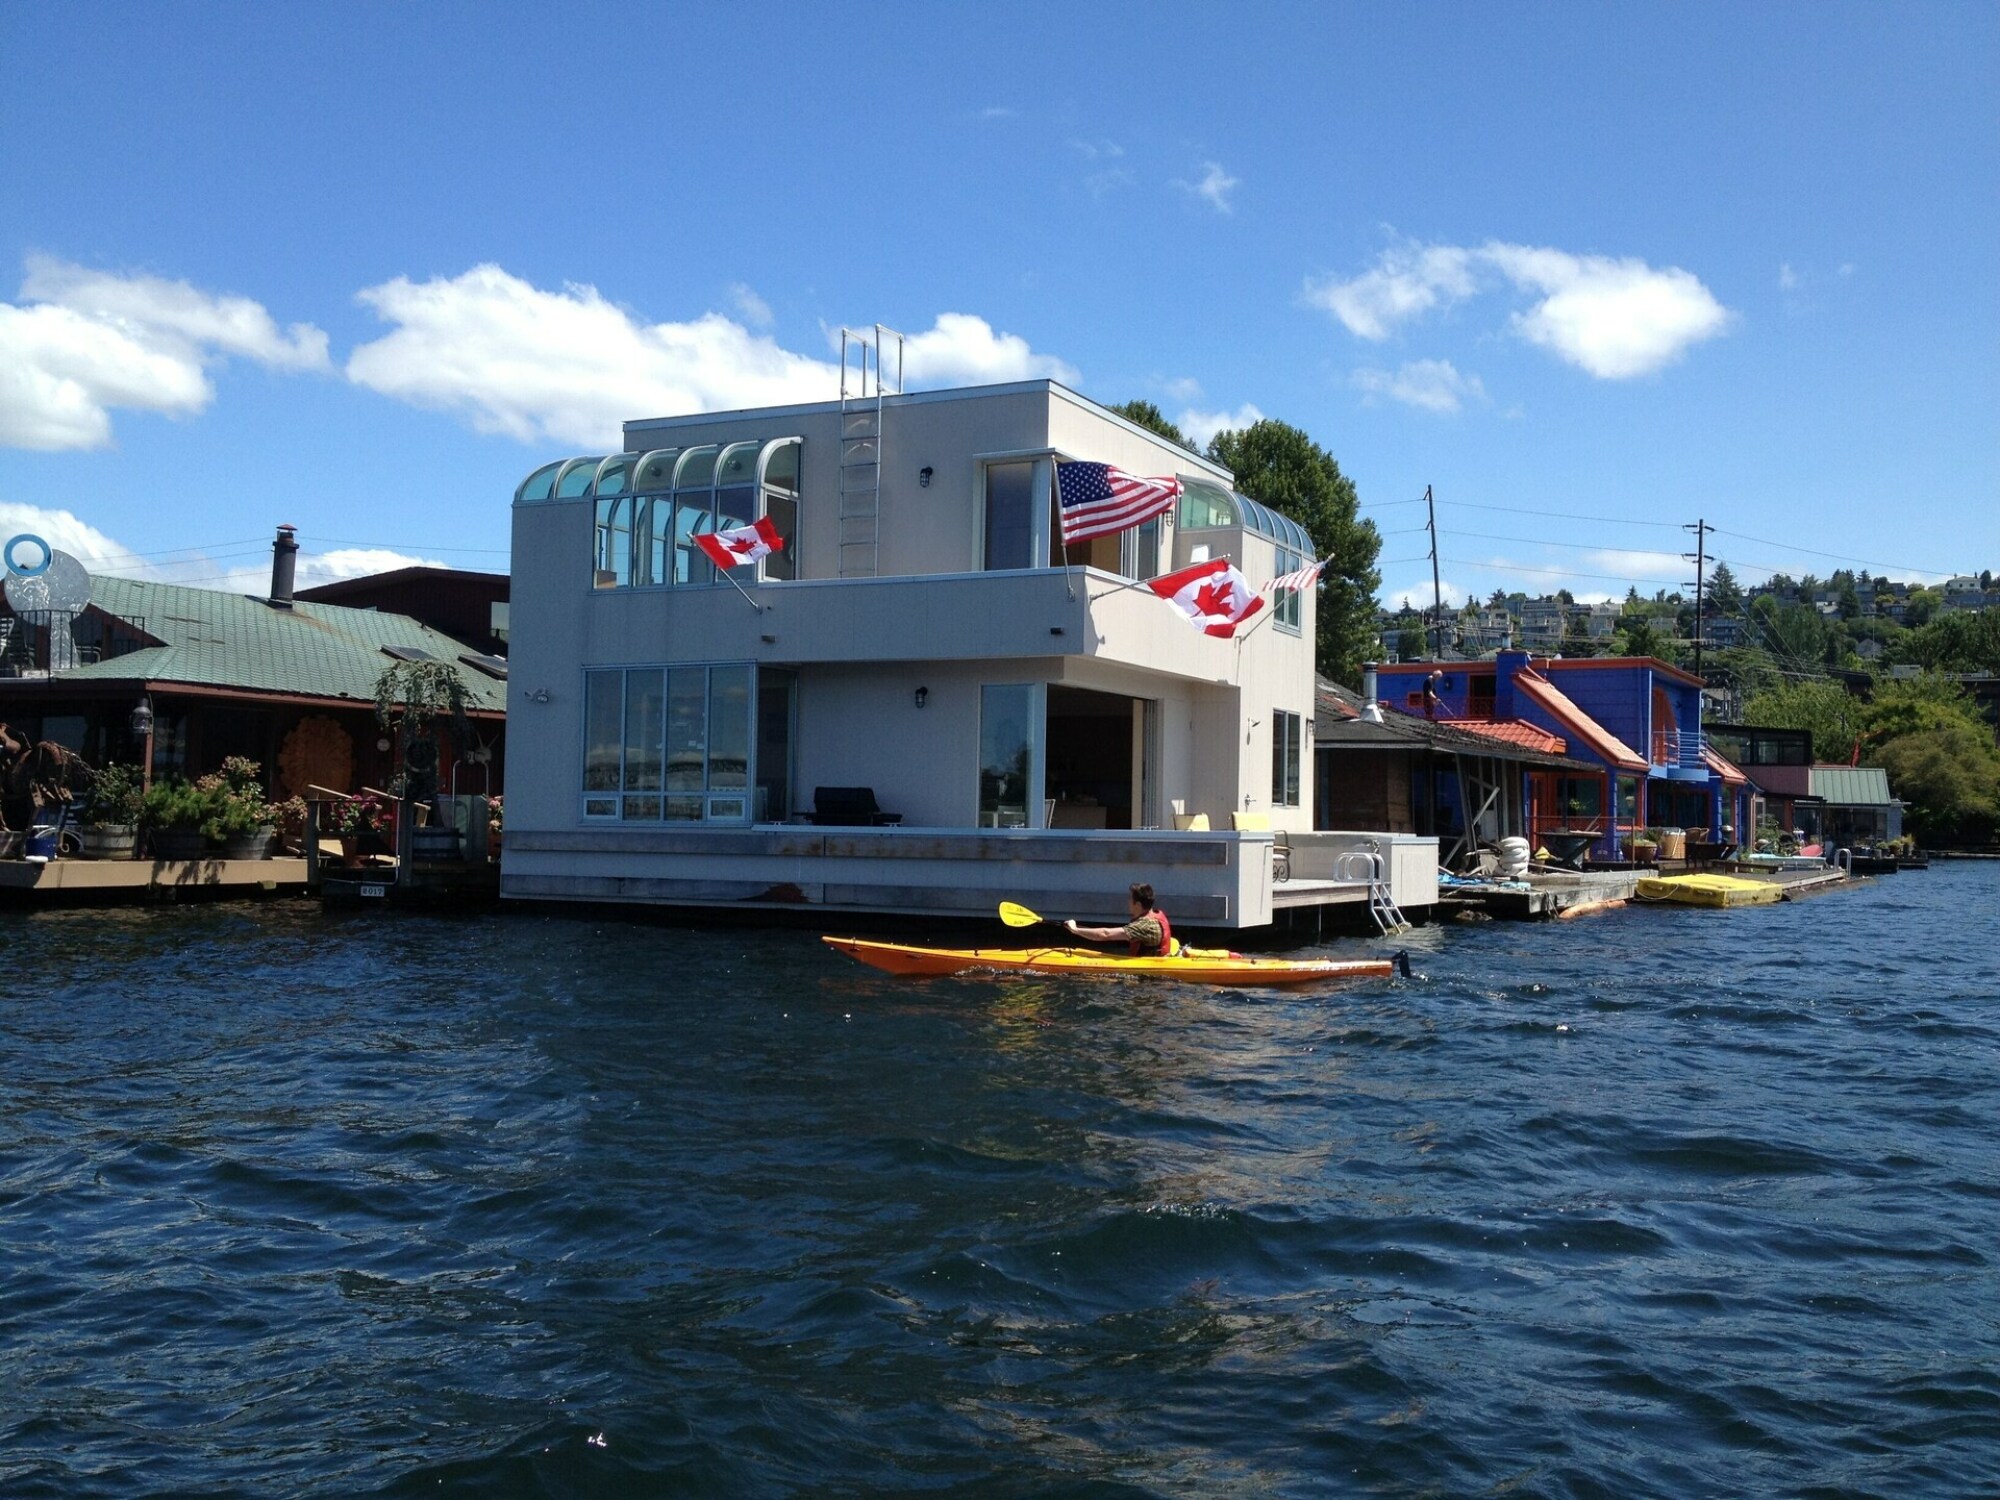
1147 935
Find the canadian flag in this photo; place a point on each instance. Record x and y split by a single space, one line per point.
741 544
1212 594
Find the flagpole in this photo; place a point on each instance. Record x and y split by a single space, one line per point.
730 577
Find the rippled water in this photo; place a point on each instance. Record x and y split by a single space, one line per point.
1652 1203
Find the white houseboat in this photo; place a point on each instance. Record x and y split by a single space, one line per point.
922 702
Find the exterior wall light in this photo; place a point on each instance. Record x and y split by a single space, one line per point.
539 695
142 718
923 696
924 477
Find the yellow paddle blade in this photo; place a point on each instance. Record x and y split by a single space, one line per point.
1016 915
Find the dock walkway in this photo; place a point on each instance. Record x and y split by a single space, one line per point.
78 881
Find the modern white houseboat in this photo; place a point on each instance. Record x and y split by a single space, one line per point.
922 702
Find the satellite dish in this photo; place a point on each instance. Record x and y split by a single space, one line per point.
63 587
60 588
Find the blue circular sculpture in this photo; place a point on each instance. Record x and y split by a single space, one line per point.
14 567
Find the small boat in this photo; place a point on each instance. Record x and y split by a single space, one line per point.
1710 890
1192 966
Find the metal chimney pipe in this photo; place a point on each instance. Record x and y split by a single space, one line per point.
1371 708
284 566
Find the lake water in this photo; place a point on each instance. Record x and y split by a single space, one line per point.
1664 1203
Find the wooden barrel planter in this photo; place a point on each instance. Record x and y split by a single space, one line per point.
109 841
180 844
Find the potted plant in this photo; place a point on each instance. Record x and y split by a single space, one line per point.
219 816
109 826
361 823
1645 846
495 815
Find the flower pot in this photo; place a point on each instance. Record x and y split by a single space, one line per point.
109 841
434 845
253 845
180 843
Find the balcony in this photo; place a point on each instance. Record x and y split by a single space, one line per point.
1681 754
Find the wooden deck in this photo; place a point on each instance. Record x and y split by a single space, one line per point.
78 881
1545 894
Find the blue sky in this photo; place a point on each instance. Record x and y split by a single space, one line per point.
361 268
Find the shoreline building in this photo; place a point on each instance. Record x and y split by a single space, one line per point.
919 700
1636 718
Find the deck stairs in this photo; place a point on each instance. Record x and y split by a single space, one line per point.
1382 906
865 378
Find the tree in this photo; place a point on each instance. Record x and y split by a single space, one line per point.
1638 636
1150 417
1576 639
1824 708
1949 777
1962 641
1285 469
1725 594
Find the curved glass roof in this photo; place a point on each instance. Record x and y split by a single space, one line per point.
604 475
1206 505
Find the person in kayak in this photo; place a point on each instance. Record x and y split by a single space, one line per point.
1147 935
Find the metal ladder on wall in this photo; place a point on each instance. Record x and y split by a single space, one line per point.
859 498
1367 865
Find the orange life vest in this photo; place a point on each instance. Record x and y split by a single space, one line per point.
1166 948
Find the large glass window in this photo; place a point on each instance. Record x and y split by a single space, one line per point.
1286 609
603 743
669 743
649 507
1287 751
777 708
1010 516
1005 752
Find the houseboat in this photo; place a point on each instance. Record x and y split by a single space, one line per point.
919 700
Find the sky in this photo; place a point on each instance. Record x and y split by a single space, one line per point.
1587 273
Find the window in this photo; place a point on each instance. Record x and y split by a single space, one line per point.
1205 505
1010 515
1286 610
1287 750
649 507
668 744
1006 753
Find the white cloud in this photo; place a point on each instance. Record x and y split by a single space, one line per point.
755 310
570 366
998 112
1432 384
1633 563
1408 280
1186 388
81 343
238 569
1612 318
1787 277
1097 150
1214 187
1200 426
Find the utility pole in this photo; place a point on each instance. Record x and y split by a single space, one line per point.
1699 557
1437 598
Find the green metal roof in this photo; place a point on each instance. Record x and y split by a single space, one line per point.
1852 786
215 639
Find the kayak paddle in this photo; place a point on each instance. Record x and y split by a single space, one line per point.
1016 915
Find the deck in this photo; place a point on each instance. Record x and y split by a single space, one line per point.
78 881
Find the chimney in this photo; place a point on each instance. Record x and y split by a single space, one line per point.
1371 709
284 566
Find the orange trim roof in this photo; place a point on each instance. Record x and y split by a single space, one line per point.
1586 663
1576 723
1724 767
1512 732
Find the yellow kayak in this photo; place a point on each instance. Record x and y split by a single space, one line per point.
1194 966
1709 890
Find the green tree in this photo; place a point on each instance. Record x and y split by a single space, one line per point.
1825 708
1637 635
1285 469
1576 639
1949 777
1725 594
1150 417
1917 705
1962 641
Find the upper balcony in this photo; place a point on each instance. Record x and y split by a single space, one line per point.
1018 613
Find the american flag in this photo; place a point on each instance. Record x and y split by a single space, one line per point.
1299 578
1098 500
